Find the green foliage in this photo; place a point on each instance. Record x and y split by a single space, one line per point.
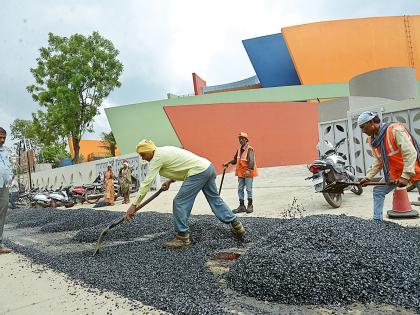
21 129
73 76
46 148
109 142
53 154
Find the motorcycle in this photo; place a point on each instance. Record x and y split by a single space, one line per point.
23 200
40 198
90 193
331 176
62 197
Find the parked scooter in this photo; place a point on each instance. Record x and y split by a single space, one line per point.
23 200
331 175
62 197
40 198
90 193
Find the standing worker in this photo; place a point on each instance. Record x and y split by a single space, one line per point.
109 196
5 181
197 173
125 181
395 151
246 170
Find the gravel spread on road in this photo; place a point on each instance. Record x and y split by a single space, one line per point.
321 260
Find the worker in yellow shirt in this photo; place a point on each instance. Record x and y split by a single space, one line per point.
197 173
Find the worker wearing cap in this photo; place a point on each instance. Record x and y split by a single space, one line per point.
197 173
246 170
395 151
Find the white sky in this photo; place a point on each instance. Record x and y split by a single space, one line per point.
161 42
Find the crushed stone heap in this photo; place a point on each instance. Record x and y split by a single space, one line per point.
332 260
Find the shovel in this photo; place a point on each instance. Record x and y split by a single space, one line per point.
337 188
121 220
223 177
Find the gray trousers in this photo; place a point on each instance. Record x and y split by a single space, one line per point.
184 200
4 204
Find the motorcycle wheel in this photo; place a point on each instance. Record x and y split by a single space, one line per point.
24 202
334 200
358 190
92 197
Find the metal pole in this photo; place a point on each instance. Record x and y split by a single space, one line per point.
18 169
29 165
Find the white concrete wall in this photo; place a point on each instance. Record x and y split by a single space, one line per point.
85 173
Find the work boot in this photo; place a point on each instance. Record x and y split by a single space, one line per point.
181 240
241 207
5 250
250 207
237 228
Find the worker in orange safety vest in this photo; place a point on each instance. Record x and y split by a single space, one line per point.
246 170
395 151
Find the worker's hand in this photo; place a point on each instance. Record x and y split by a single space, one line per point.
364 181
225 164
130 213
166 185
402 182
247 173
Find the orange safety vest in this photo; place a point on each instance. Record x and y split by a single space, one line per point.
242 163
395 157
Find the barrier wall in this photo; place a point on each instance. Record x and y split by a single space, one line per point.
85 173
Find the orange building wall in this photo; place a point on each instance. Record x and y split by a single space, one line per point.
88 147
281 133
336 51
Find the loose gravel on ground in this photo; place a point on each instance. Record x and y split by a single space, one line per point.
321 260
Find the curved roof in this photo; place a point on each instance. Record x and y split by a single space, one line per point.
336 51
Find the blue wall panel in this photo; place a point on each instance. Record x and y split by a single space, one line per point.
271 60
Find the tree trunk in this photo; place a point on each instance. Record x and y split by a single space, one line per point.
76 146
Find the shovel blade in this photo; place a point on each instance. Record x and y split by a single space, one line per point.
99 242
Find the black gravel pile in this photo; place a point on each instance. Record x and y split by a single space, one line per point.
32 217
332 260
144 223
78 219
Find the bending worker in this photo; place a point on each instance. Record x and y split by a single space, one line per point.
197 173
395 151
246 170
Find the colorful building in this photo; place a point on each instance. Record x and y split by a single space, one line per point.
275 107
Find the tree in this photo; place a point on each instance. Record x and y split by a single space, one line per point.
46 148
109 142
23 129
72 78
54 154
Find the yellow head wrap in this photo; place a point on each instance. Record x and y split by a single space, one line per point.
145 145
